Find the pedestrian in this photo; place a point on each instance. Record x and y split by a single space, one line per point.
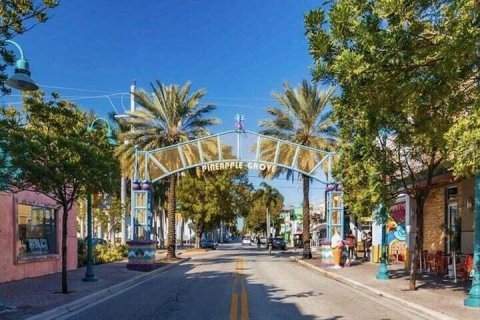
351 245
368 242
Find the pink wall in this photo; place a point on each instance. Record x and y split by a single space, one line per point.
38 265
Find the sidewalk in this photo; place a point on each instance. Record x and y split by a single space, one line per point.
28 297
435 298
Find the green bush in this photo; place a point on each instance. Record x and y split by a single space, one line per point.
107 254
123 249
82 253
101 253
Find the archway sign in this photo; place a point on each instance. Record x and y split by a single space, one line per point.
223 151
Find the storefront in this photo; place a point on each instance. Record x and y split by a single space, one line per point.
449 216
30 236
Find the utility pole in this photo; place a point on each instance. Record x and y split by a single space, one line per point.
123 190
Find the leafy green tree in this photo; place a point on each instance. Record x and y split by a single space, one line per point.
302 118
168 116
212 198
407 67
56 156
9 121
17 17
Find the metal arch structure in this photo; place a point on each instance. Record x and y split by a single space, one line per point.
234 149
226 150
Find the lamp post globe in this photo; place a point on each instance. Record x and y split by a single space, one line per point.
21 79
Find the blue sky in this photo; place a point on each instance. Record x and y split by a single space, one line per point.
239 51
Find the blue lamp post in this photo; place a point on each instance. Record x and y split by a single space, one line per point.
89 273
473 299
21 79
382 273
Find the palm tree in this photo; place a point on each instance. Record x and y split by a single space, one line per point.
168 116
301 118
272 199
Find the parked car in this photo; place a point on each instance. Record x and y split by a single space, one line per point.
279 243
208 244
263 240
246 241
97 241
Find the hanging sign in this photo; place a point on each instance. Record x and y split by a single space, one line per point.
239 165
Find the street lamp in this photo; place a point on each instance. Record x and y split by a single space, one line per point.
89 273
473 299
382 273
21 79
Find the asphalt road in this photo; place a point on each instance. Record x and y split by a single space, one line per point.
242 283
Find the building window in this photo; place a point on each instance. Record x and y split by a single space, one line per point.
37 231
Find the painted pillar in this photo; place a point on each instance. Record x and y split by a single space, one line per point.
473 299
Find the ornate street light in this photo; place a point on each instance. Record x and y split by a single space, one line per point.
473 299
21 79
89 273
382 273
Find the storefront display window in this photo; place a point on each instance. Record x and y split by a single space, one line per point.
37 231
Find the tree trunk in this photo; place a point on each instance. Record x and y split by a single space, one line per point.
420 201
182 230
64 248
171 217
307 253
198 234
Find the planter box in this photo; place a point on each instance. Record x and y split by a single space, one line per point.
141 255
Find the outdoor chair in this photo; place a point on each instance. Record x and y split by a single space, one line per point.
441 262
430 261
466 267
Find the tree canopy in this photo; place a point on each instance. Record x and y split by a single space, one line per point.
54 154
212 198
405 67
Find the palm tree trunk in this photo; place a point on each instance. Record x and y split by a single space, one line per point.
307 253
161 226
171 217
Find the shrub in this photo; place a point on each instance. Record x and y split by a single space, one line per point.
82 253
106 254
123 249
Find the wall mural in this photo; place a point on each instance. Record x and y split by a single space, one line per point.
396 234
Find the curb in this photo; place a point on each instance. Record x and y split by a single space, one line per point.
430 313
100 295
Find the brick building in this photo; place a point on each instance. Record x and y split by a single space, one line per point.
448 216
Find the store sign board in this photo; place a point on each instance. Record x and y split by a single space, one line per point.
226 165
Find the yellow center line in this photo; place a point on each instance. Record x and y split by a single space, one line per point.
234 307
239 291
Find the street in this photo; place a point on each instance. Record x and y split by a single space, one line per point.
235 282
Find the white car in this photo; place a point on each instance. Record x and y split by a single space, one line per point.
246 242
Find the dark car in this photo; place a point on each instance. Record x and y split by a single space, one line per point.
279 243
97 241
208 243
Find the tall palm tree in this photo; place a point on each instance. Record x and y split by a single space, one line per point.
272 199
301 118
168 116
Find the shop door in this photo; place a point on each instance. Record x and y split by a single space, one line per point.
453 225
